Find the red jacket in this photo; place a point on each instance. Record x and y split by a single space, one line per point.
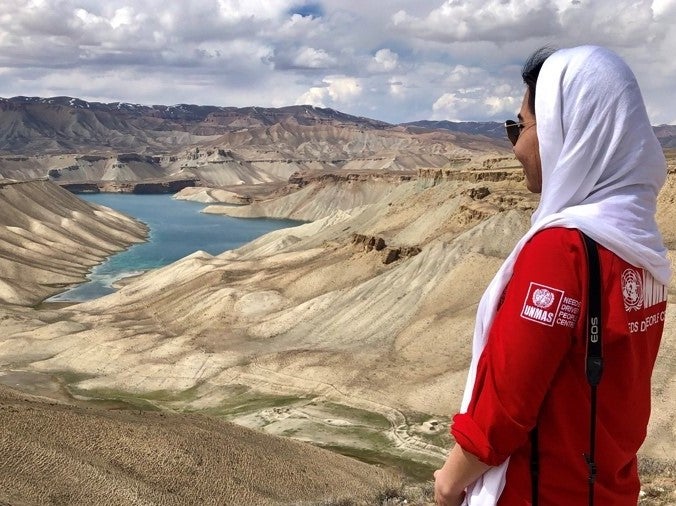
532 372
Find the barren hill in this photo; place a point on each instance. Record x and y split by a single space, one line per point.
30 125
666 134
67 125
69 140
50 239
54 453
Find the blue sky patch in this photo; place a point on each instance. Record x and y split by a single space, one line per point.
310 9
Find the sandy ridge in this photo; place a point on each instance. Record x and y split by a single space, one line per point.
50 239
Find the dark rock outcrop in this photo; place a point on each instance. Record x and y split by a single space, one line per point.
390 254
436 175
300 180
394 254
163 187
369 243
80 187
144 187
477 193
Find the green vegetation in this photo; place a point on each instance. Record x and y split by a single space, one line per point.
69 377
440 437
360 416
120 399
363 436
415 494
411 469
114 399
249 402
290 432
417 417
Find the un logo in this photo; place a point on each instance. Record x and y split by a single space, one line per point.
632 290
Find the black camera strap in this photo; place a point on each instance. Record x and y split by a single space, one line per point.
593 371
534 467
594 359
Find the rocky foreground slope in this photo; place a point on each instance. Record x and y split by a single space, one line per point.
54 453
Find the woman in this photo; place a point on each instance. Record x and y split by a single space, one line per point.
585 142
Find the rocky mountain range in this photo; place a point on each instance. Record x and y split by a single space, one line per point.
34 125
30 125
72 142
92 146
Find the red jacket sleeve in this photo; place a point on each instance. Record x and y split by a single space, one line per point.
531 334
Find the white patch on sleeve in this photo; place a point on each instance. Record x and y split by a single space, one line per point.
542 304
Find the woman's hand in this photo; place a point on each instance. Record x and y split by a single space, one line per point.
460 470
445 490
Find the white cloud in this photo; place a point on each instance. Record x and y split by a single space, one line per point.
397 61
495 20
458 106
343 89
664 8
123 16
337 91
459 74
464 90
384 60
263 9
312 58
621 23
447 105
501 104
396 87
300 28
314 96
88 18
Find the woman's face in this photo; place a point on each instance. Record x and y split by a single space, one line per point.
527 149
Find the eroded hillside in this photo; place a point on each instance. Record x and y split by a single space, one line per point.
49 239
76 143
352 331
315 306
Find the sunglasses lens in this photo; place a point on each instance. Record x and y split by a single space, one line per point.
512 129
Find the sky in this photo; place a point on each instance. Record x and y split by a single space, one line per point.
391 60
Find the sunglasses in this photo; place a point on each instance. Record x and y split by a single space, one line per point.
513 129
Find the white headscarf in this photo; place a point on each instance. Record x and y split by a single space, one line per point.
602 168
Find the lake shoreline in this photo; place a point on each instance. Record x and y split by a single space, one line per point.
176 229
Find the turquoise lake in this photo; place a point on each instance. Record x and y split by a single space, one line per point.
177 229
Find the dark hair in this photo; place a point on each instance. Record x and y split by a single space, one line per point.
531 71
